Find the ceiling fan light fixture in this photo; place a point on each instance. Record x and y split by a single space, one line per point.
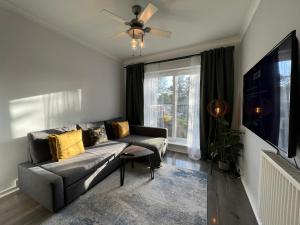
142 43
134 44
135 32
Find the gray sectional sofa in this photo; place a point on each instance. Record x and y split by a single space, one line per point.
56 184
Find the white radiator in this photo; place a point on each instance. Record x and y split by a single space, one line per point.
279 191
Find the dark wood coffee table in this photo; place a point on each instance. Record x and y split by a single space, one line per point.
134 152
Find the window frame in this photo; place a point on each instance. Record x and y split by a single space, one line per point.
175 72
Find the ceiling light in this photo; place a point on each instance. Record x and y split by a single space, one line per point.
134 44
142 43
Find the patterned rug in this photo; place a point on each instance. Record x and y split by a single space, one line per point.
175 196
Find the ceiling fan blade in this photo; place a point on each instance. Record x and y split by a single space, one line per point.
113 16
119 35
160 33
148 12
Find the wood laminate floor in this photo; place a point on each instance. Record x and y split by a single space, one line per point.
227 200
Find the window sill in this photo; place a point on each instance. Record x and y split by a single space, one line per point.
178 141
177 148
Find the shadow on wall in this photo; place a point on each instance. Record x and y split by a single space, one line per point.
44 111
31 114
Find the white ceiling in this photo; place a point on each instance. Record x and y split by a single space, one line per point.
190 21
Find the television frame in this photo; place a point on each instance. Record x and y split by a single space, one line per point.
294 83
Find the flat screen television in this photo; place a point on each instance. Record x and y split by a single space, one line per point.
270 99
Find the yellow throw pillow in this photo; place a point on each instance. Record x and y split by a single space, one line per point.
121 129
66 145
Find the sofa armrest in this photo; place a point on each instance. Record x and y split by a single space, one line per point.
149 131
42 185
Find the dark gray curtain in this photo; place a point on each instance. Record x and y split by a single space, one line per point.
135 94
217 74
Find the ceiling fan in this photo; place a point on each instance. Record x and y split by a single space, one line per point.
136 29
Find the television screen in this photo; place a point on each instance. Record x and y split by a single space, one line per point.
268 96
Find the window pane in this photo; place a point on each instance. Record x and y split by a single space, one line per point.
167 92
182 104
164 101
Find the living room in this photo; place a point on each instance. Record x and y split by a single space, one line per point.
149 112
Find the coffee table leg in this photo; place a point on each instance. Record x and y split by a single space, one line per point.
122 172
151 167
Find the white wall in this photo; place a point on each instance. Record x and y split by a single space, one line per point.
273 20
47 80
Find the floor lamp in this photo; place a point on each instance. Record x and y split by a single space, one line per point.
217 108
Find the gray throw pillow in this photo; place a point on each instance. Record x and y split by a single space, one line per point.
86 137
98 135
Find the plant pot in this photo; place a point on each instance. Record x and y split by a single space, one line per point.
223 165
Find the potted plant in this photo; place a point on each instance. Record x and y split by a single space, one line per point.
227 146
224 143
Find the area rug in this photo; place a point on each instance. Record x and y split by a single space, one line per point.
175 196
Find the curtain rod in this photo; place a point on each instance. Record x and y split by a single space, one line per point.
168 60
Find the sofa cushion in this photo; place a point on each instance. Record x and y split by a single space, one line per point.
39 150
75 169
149 131
156 144
107 148
86 126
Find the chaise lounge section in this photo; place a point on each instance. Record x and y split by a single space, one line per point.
56 184
152 138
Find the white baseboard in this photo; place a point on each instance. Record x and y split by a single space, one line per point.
251 202
8 191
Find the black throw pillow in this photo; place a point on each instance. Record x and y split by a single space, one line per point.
86 138
109 128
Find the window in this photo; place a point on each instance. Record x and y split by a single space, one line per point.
168 98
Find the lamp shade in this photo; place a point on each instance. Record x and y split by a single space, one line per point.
218 108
